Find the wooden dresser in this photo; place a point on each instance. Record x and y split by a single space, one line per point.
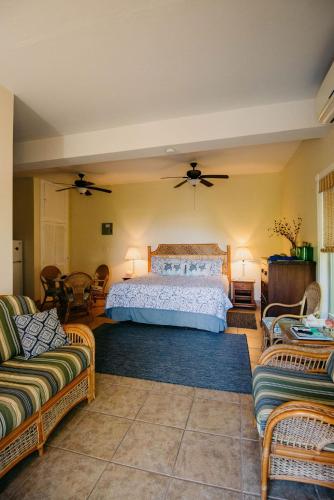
285 281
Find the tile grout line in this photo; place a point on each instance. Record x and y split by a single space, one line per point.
185 427
169 476
98 479
130 427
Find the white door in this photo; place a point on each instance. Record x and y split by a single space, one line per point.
54 227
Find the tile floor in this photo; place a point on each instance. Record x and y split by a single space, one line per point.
146 440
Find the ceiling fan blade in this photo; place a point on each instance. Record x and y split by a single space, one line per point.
180 177
88 193
214 176
206 183
65 189
101 189
181 183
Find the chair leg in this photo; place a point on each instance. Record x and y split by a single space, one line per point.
67 313
43 303
264 473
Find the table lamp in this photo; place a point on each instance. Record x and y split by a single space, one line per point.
132 254
243 254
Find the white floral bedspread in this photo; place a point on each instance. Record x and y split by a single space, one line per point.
197 294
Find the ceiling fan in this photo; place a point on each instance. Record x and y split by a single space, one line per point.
84 187
195 176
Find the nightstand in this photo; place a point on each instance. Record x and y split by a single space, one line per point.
243 293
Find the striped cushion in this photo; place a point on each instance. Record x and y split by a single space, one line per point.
9 306
330 366
49 372
17 403
274 386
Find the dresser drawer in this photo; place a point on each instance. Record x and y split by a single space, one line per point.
242 285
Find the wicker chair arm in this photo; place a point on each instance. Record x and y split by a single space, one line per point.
301 424
80 334
284 316
266 309
296 358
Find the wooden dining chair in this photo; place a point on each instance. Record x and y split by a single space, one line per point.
51 288
78 294
100 282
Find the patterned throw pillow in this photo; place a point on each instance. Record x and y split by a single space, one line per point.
10 305
168 266
202 267
40 332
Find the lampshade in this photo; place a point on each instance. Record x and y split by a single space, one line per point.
243 253
132 254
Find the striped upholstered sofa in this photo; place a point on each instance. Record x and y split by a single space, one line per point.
35 394
293 390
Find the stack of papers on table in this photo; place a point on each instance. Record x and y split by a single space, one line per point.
302 332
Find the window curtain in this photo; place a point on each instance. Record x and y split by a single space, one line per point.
326 186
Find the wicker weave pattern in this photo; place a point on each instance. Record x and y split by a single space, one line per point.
298 363
295 358
52 416
26 441
298 469
307 433
188 249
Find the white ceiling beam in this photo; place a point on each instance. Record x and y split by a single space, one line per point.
278 122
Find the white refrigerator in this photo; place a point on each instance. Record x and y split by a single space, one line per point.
17 268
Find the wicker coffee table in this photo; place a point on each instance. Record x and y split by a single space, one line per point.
289 338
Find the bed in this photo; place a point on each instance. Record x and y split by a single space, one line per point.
180 295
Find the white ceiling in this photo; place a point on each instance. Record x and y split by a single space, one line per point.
85 65
265 158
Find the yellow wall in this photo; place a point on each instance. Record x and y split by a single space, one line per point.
237 211
299 186
23 228
6 188
26 218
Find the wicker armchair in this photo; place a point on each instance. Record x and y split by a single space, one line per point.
77 288
48 276
100 281
298 435
310 304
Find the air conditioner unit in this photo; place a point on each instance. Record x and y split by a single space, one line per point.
324 102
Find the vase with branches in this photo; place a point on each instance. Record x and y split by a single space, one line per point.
289 230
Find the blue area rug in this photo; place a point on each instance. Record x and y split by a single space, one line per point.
176 355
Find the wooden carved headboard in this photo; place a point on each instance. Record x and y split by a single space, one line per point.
193 250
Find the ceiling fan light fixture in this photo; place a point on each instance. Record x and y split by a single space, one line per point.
82 190
193 182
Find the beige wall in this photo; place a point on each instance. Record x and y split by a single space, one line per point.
299 186
237 211
6 200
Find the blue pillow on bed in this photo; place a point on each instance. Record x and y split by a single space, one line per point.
168 266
